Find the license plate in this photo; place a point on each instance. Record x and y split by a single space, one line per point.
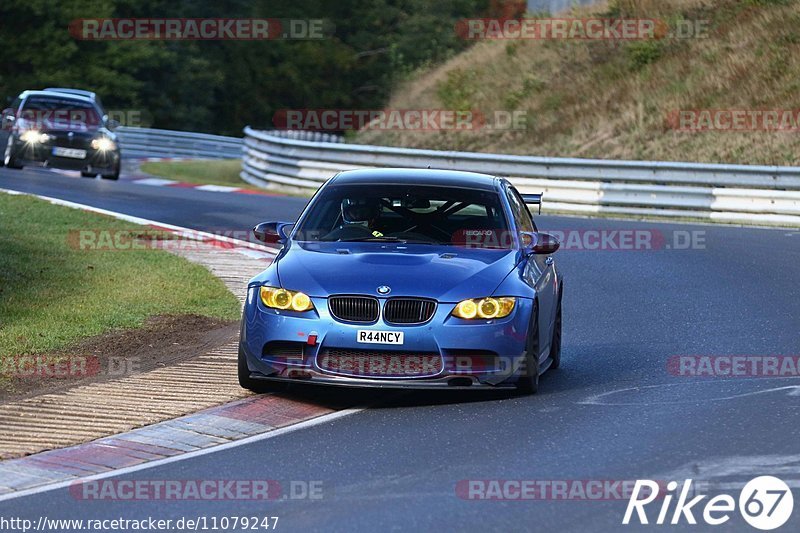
379 337
73 153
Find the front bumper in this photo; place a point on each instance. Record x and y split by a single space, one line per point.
468 354
41 154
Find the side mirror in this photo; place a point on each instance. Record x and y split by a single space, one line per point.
272 232
539 243
110 123
8 116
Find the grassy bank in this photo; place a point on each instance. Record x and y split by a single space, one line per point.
613 99
53 294
205 172
221 172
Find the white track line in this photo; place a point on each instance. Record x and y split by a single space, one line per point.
153 181
217 188
188 232
188 455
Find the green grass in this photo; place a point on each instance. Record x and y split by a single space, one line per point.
211 172
206 172
53 294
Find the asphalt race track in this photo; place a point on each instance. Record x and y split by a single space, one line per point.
613 411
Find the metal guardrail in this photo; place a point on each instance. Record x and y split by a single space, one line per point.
726 193
300 135
145 142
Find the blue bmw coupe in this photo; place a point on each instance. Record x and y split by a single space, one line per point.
405 278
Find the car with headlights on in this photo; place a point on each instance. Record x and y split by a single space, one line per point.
60 130
406 278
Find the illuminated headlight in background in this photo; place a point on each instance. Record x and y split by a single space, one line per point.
103 144
484 308
34 137
278 298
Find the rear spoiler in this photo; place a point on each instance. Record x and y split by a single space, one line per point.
535 199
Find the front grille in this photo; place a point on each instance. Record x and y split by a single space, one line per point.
367 363
408 310
78 140
354 308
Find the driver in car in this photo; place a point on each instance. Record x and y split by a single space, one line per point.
359 219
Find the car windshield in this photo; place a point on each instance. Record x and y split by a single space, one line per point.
417 214
49 109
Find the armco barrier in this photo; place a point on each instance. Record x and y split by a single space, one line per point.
145 142
726 193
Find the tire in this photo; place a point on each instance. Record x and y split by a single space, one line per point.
255 385
528 382
115 175
88 174
8 157
555 346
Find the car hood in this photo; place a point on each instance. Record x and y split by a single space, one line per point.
446 273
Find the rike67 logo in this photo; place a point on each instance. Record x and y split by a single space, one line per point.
765 503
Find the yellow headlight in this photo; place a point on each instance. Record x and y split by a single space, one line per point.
301 302
281 299
506 306
466 309
485 308
278 298
488 308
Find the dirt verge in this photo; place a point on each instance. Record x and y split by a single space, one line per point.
161 341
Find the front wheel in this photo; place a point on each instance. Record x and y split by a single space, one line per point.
9 158
114 175
528 382
255 385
